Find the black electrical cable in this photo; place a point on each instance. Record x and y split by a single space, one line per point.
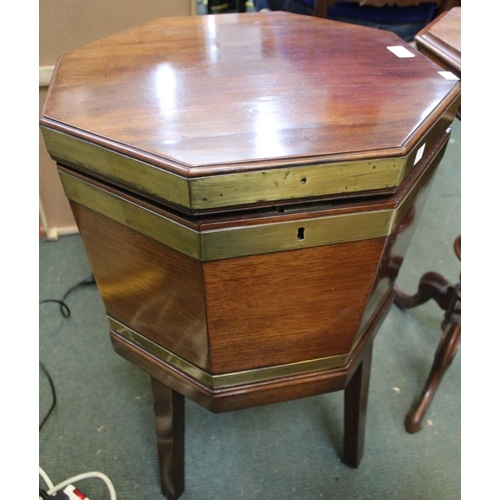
85 282
64 308
65 311
60 495
54 397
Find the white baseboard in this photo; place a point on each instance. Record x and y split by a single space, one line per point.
44 75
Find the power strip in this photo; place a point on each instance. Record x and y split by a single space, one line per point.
70 492
74 493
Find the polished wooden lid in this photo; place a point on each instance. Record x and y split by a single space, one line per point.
197 110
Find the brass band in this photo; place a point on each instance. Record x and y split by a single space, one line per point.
226 379
114 166
231 242
248 187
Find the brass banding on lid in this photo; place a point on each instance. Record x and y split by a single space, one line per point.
247 187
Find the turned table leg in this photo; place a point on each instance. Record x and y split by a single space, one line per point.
169 422
355 404
431 286
443 358
448 297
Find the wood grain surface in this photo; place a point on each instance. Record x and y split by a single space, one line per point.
148 286
287 307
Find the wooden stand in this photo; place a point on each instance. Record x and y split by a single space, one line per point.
169 423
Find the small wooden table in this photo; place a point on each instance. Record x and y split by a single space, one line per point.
440 41
246 187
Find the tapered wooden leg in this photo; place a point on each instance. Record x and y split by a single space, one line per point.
355 404
169 423
443 358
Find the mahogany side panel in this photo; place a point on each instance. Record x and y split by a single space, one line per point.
147 286
286 307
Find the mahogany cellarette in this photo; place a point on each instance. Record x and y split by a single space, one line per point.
246 187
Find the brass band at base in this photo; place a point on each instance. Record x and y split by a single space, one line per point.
226 379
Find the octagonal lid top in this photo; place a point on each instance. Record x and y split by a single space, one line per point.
204 96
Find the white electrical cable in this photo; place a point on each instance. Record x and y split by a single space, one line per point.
45 477
77 478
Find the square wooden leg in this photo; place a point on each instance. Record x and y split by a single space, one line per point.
169 423
355 404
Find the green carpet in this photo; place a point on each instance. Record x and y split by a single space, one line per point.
103 420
